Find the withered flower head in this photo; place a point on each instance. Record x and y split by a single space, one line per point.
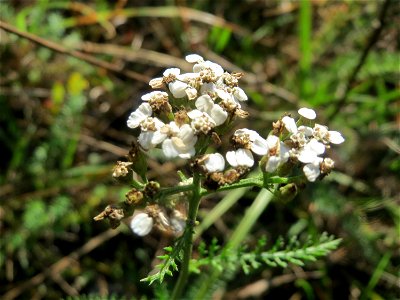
121 169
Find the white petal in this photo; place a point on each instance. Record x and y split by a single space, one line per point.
244 157
311 171
259 146
145 139
272 141
156 82
178 89
186 77
239 94
315 146
188 154
143 111
141 224
214 163
171 71
194 114
204 103
335 137
242 131
186 134
308 131
216 68
284 152
194 58
218 114
191 93
290 124
208 87
169 149
158 138
272 164
307 156
148 96
224 95
307 113
231 158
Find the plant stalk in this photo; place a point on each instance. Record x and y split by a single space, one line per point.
188 237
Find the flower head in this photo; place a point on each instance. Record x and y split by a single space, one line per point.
277 154
250 139
214 163
179 141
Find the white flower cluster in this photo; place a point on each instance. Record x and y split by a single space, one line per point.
211 95
307 145
303 144
190 113
211 98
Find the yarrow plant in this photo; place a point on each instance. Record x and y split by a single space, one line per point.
186 119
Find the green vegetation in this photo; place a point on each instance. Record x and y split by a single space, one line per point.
66 92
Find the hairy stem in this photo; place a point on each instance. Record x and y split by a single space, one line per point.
188 237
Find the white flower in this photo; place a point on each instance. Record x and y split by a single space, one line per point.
307 131
239 94
321 133
240 158
180 141
151 134
307 113
201 121
140 114
214 163
209 88
177 83
278 154
205 104
154 95
312 170
142 224
290 124
178 88
310 152
252 139
201 65
171 72
168 76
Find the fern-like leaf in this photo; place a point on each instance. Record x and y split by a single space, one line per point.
168 264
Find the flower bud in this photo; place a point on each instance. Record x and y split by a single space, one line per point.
151 189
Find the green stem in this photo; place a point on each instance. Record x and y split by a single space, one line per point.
261 181
251 216
188 237
175 190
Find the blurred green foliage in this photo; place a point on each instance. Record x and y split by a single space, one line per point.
63 126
